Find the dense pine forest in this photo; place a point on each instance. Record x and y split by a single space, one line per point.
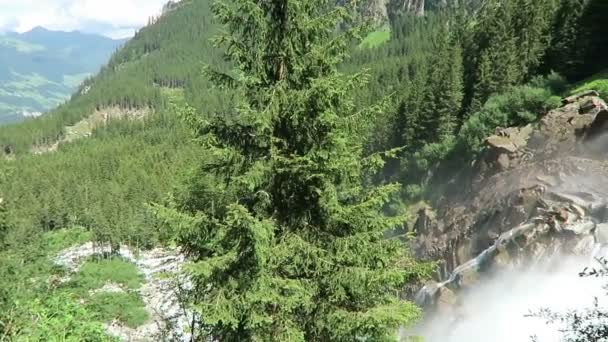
279 165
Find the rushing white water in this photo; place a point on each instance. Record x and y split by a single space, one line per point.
496 309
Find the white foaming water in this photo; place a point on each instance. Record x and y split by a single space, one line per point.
496 309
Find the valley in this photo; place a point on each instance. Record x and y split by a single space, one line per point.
434 171
40 69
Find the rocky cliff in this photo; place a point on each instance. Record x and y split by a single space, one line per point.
379 10
414 6
536 191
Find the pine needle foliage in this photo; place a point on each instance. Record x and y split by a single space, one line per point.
287 242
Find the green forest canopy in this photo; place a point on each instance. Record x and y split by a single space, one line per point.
434 77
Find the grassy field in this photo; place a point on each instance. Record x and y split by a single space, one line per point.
376 38
20 45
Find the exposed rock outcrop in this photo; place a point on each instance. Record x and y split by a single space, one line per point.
413 6
378 10
170 6
85 127
507 148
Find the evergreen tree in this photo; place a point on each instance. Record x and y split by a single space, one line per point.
595 35
288 245
4 224
411 120
532 24
497 65
566 51
444 87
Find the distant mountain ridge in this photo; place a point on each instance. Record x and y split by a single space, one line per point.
40 69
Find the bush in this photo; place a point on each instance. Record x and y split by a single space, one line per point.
554 82
96 273
432 153
598 82
59 318
65 238
516 107
128 308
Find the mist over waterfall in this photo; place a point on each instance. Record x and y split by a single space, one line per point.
496 308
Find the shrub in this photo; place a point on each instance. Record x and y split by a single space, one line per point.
96 273
516 107
59 318
65 238
598 82
128 308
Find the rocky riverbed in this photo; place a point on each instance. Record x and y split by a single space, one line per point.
163 284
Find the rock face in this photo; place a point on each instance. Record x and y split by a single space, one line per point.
534 192
413 6
170 6
378 10
85 127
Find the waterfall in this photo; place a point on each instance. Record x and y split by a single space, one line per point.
497 307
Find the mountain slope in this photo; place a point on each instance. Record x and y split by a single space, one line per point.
104 180
170 53
40 69
102 184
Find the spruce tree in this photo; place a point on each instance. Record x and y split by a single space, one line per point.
444 87
567 49
286 242
412 122
4 224
532 22
595 36
496 58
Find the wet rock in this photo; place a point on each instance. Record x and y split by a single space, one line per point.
581 228
597 129
601 233
427 295
503 161
446 299
503 258
562 215
584 246
578 210
468 277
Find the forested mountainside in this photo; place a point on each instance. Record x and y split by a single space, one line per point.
136 156
40 69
